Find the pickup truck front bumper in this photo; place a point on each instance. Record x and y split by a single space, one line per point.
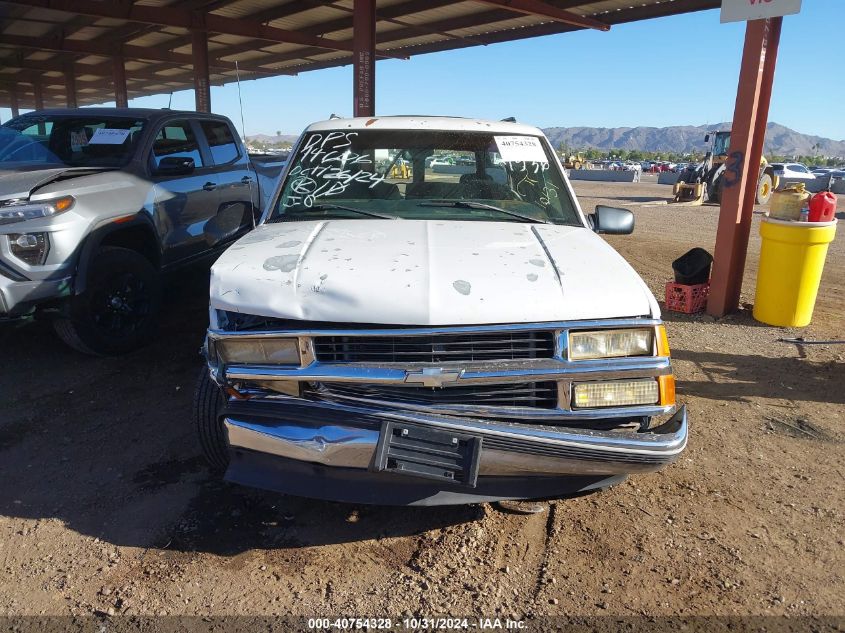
18 294
329 451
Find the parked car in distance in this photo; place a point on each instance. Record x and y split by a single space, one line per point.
791 173
442 161
97 203
453 338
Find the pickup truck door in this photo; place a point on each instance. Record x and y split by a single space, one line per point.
237 183
186 201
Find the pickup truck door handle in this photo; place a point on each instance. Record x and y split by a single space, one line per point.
246 180
210 186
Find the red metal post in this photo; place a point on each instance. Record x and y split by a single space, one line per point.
756 74
202 84
38 90
70 86
121 96
13 102
364 60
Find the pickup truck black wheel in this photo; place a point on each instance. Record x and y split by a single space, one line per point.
117 311
208 401
764 189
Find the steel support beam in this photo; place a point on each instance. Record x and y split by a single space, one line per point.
13 101
202 85
70 87
150 53
364 57
121 97
540 9
38 93
739 191
185 18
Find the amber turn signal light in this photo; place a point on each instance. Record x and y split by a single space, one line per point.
662 341
63 204
667 390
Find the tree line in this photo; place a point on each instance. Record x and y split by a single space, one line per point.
638 156
635 155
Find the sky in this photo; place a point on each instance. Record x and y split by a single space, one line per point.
680 70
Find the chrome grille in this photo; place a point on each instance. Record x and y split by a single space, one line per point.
538 395
435 348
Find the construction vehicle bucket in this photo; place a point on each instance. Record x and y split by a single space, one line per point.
691 194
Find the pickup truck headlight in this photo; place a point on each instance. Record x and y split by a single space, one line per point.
584 345
615 393
258 351
22 212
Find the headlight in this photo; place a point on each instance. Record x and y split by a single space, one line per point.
611 343
44 209
258 351
616 393
30 248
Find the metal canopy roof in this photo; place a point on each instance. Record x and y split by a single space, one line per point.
41 40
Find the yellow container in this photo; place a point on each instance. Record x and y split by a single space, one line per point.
787 203
791 264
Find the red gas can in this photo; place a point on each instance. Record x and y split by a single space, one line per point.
822 207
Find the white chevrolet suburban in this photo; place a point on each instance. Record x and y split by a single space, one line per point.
402 330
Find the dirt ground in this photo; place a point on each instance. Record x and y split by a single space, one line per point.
106 506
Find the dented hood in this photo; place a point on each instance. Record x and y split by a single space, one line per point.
18 183
426 272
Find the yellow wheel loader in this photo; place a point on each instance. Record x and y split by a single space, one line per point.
575 161
705 181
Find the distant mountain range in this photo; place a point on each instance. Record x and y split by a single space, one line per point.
780 140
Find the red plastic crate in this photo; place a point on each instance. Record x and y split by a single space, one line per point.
687 299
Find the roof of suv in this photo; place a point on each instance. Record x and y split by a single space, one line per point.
413 122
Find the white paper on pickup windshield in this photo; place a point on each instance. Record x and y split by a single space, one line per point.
515 149
103 136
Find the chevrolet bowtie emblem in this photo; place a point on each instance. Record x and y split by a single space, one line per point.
433 377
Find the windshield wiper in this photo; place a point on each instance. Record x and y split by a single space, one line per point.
329 207
470 204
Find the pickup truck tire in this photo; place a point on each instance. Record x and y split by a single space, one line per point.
208 401
117 311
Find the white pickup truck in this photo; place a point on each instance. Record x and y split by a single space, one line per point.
422 336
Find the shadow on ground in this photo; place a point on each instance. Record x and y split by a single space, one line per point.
106 446
741 377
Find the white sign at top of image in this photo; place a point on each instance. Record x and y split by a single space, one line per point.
742 10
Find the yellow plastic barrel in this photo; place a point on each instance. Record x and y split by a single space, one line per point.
791 264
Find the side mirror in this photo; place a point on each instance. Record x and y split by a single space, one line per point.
612 221
175 166
706 138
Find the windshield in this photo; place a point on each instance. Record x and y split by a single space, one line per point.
721 143
75 141
422 174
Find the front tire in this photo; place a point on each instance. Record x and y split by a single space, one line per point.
117 311
209 400
764 189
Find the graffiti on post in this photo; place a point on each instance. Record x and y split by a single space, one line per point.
733 168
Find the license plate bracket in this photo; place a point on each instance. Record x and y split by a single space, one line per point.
418 451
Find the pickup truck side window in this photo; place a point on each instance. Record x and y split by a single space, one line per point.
75 140
176 139
224 148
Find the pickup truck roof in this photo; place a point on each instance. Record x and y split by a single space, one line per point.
150 114
406 122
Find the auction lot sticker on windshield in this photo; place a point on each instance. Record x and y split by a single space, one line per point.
102 136
515 149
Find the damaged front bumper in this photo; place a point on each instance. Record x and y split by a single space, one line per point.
332 451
